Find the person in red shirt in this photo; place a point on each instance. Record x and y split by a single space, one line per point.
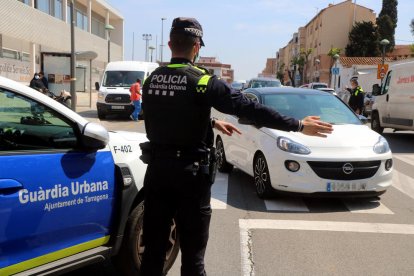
135 91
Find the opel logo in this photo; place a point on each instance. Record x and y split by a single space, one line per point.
347 168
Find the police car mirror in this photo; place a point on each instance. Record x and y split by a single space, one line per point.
94 136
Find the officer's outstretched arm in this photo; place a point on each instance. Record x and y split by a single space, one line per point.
313 126
225 128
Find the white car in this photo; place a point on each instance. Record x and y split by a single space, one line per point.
352 161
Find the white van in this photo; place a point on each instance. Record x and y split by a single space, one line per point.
394 101
113 95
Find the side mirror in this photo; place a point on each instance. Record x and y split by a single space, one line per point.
363 119
94 136
376 89
97 86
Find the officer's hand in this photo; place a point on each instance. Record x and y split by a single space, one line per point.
226 128
313 126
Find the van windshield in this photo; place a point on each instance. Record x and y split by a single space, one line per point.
122 78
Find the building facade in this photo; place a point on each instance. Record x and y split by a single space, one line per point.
31 30
217 68
328 29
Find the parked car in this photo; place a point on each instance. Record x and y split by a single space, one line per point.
262 82
314 85
237 85
70 191
329 90
352 161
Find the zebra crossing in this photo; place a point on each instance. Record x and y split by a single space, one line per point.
401 182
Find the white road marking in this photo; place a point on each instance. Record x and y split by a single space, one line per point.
245 226
293 204
219 191
405 158
403 182
366 207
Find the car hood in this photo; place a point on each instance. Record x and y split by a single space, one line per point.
343 136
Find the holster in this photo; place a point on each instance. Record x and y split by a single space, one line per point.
146 152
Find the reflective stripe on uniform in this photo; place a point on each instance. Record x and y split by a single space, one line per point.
44 259
202 84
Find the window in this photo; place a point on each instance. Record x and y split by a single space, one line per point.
43 5
8 53
24 1
25 56
58 8
28 125
98 28
387 83
81 20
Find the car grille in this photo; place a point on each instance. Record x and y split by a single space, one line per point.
118 98
345 170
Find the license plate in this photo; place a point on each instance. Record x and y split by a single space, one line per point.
118 107
345 187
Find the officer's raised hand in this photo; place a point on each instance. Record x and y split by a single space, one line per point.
313 126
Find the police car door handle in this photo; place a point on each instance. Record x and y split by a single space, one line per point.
9 186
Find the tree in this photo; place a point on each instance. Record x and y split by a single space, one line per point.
387 22
305 53
363 41
279 73
412 26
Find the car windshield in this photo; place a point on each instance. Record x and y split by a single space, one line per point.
265 83
122 78
237 85
328 107
321 85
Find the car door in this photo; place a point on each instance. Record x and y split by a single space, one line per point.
385 106
244 145
55 198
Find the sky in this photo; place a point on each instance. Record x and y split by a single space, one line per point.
242 33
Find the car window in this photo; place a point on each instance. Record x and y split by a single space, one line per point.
321 85
29 125
328 107
387 83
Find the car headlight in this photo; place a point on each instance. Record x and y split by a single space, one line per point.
381 146
101 95
288 145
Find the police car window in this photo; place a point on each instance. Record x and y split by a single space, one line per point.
27 125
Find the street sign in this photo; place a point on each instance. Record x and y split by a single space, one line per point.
335 71
297 77
382 71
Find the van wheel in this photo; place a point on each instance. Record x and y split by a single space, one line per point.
130 256
375 123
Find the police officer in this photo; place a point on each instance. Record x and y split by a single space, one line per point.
356 100
177 100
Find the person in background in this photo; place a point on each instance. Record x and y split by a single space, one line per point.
37 84
44 79
356 101
135 91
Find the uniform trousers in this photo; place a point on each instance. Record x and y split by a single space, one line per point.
171 191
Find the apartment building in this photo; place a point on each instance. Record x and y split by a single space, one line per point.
270 69
33 30
327 29
217 68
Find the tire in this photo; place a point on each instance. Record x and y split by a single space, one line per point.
222 164
129 258
101 115
375 123
261 176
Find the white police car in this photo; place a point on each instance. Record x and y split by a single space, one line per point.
70 191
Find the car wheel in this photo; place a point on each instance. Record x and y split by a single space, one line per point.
101 115
262 177
129 259
222 164
375 123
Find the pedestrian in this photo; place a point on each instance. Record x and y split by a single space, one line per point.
177 101
37 84
356 100
135 97
44 79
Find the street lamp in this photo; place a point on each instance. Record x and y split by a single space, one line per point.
335 57
109 28
162 37
146 37
384 44
151 48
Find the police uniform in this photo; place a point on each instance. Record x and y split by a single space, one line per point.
177 101
356 100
